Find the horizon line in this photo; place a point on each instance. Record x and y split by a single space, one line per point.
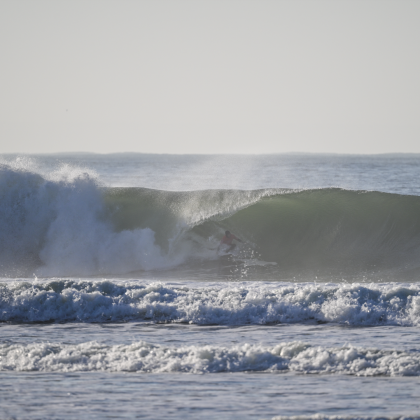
210 154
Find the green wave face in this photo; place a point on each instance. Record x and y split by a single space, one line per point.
334 229
171 214
320 232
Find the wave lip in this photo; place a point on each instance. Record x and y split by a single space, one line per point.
148 358
105 301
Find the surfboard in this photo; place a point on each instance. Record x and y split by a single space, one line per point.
223 251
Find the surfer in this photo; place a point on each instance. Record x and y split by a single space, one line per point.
227 240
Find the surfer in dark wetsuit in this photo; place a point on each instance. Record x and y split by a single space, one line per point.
228 241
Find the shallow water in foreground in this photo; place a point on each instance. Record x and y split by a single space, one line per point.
222 396
351 367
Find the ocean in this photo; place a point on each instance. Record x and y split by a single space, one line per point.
115 303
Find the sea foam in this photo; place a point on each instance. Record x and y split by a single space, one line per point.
222 304
148 358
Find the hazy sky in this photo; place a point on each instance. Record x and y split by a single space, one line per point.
210 76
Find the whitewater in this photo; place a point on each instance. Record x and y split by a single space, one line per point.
115 302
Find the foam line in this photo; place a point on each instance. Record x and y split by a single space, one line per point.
148 358
251 303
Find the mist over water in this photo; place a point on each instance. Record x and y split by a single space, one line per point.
398 173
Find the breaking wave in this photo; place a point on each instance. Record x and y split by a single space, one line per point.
65 223
255 303
148 358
